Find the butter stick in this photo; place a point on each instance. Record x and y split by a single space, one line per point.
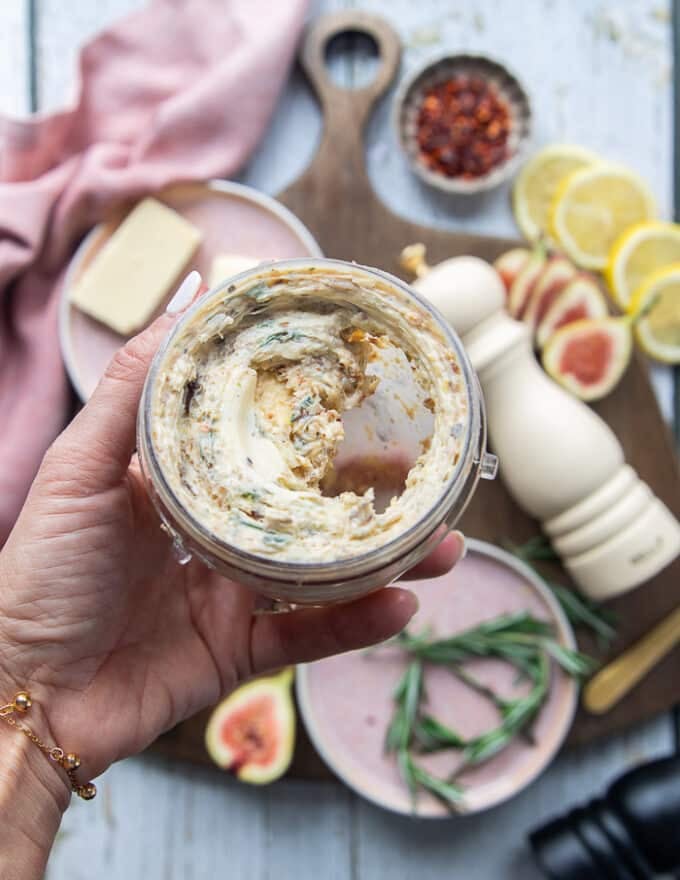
225 265
137 267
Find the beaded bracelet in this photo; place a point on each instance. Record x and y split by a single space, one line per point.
67 760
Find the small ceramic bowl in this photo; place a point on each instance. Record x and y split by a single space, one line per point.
408 101
346 701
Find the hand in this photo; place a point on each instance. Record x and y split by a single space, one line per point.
115 640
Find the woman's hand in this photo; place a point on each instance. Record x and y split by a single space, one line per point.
113 638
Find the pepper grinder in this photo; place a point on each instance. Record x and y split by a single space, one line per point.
559 460
633 833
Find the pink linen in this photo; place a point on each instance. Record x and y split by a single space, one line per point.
182 90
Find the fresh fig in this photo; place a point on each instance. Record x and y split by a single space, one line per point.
581 298
589 357
510 264
252 732
558 272
525 282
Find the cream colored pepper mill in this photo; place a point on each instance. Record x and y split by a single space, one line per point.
560 461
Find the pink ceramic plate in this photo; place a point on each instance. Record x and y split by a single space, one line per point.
346 702
233 218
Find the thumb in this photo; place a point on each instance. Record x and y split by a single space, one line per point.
101 440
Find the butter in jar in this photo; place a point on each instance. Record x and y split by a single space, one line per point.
311 428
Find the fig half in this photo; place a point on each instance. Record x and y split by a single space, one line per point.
510 264
558 272
523 285
581 298
251 733
589 357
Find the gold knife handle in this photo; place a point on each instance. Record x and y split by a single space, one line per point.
617 678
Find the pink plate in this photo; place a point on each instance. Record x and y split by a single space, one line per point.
233 218
346 702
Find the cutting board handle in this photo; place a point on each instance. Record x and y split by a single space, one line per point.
345 111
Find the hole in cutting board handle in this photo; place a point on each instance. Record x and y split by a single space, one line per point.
352 59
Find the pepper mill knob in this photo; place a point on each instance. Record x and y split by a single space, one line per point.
559 460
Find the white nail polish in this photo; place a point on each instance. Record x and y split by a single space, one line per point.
465 548
185 293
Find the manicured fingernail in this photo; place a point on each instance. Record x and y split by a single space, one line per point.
415 602
185 293
461 537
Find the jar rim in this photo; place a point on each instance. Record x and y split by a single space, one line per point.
352 566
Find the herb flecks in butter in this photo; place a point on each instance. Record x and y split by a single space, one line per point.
248 415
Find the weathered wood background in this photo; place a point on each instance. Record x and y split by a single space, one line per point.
599 73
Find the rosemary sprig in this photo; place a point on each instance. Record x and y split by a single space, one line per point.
515 638
450 793
431 735
407 696
579 609
521 640
516 715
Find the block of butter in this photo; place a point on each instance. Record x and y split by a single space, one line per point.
136 268
225 265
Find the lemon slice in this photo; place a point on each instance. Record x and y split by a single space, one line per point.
534 190
657 301
640 251
594 206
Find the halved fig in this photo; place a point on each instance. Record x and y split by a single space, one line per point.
589 357
558 272
252 732
581 298
523 285
510 264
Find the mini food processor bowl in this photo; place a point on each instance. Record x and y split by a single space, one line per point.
319 583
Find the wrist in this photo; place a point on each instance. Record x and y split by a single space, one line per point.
33 798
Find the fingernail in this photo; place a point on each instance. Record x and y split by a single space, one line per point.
463 541
185 293
416 604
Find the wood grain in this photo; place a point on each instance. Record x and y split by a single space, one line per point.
336 201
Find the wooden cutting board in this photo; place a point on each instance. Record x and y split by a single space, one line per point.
335 200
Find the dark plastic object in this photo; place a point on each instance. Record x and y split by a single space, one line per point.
633 833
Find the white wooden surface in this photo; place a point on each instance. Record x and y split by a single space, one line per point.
598 74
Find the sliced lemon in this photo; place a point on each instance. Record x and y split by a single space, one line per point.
657 301
537 182
593 206
637 253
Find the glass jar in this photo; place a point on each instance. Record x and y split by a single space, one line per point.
388 433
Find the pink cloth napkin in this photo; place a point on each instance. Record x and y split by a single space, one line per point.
179 91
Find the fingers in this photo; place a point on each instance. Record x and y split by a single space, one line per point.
302 636
442 559
102 437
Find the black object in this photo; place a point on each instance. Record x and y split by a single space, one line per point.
633 833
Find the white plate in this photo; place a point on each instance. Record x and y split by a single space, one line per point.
493 782
233 218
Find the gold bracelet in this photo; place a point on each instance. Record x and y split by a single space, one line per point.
67 760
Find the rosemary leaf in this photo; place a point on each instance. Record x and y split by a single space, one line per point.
573 662
407 696
414 775
431 735
579 609
535 549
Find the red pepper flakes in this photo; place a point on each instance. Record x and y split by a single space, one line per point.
463 127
